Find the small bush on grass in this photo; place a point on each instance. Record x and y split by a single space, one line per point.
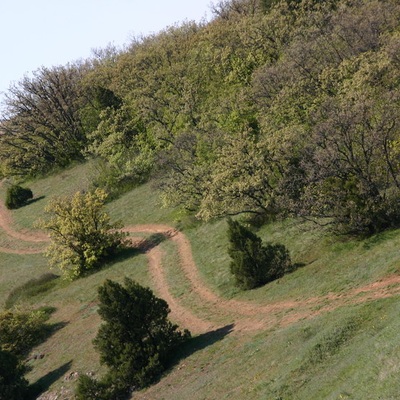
254 263
17 196
91 389
21 331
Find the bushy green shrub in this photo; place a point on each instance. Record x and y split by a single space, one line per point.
17 196
135 341
254 263
91 389
20 331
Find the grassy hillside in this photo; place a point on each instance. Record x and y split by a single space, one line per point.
331 335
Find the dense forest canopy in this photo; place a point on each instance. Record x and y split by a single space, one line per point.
273 108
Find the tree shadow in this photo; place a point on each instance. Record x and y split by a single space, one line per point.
379 238
121 255
124 254
200 342
34 200
45 333
295 267
43 384
152 241
129 251
50 329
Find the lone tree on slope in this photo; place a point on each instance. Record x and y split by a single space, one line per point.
254 263
135 341
81 233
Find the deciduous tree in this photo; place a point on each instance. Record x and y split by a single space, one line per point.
81 233
41 126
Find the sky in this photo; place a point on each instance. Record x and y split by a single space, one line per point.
35 33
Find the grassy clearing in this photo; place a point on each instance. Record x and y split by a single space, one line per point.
32 288
65 183
141 206
352 352
329 264
15 270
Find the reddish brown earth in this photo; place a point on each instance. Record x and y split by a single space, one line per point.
245 316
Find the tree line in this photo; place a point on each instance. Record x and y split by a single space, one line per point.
273 109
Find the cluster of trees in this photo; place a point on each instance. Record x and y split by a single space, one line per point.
272 108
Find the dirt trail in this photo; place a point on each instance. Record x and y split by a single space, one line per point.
24 235
246 316
9 250
6 224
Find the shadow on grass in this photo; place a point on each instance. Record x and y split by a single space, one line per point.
295 267
129 251
122 255
43 384
152 241
31 288
34 200
45 332
200 342
379 238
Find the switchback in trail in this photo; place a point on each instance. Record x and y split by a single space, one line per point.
246 316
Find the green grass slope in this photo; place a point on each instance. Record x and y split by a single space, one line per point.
335 347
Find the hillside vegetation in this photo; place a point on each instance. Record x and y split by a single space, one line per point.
328 329
271 109
283 115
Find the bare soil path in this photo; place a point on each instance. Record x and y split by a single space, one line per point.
246 316
6 224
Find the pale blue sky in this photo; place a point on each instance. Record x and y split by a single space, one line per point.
35 33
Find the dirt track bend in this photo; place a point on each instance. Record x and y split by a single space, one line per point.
244 315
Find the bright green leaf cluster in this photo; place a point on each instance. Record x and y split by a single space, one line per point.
81 233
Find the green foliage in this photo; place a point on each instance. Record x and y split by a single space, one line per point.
92 389
299 113
126 154
81 233
17 196
13 385
136 339
254 263
242 180
41 126
329 107
20 331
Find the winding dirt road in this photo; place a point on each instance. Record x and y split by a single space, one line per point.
244 315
